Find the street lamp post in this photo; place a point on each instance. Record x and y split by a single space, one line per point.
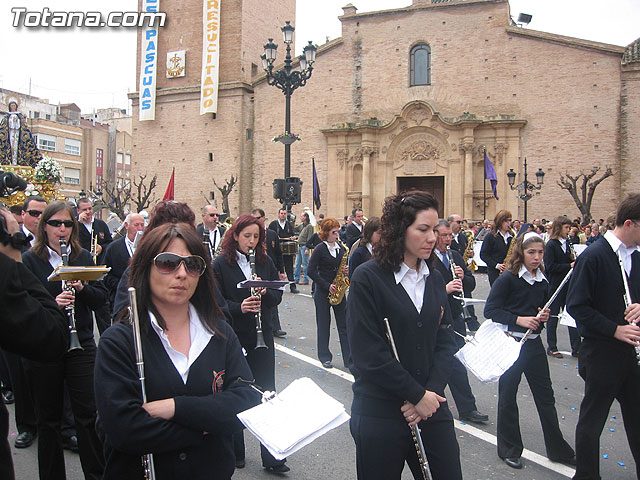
525 188
287 79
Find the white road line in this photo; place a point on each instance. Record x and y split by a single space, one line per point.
476 432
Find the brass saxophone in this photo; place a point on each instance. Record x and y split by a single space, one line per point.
507 257
341 281
468 252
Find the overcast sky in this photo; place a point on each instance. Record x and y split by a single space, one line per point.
95 68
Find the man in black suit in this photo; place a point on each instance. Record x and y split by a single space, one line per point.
120 252
354 230
210 219
91 228
275 253
284 229
608 361
31 211
459 240
458 380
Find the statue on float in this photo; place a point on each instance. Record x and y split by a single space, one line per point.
17 146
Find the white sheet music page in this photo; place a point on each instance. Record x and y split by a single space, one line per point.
298 415
490 353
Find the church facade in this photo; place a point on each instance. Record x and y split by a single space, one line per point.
405 98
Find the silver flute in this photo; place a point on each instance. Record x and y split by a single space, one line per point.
627 297
415 430
147 459
255 292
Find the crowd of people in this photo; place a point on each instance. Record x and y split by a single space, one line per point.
205 340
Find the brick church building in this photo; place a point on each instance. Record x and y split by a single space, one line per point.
408 97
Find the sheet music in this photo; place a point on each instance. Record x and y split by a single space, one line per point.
490 353
298 415
566 319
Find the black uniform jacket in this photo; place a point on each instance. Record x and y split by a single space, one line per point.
228 276
117 257
353 234
273 249
493 252
595 297
322 268
285 232
556 265
512 297
461 245
425 343
180 446
468 281
358 257
100 229
91 297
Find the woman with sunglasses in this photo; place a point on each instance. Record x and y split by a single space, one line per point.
75 368
323 268
231 267
193 365
514 302
390 397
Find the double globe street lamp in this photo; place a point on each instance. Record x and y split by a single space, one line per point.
288 189
525 188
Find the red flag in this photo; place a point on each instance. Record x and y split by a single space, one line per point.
168 194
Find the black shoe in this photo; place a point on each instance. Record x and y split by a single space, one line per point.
278 469
327 364
555 354
571 461
7 397
24 440
70 443
513 462
294 289
240 463
280 333
575 354
474 416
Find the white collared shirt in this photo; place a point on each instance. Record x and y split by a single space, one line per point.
282 223
530 279
618 246
55 260
563 244
26 231
370 248
214 238
200 338
456 236
358 226
89 226
244 264
333 250
413 282
505 237
441 256
131 246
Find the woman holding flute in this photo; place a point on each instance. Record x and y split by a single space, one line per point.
193 363
515 301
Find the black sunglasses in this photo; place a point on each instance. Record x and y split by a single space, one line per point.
214 215
34 213
59 223
167 263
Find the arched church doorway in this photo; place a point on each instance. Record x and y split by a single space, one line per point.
433 185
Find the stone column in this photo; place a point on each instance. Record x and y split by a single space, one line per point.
367 154
467 211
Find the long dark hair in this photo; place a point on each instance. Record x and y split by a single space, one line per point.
371 227
230 244
517 254
155 242
40 245
398 213
499 219
558 223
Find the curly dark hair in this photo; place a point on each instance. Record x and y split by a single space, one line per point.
230 244
398 213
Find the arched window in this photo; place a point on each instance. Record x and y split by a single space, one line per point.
420 61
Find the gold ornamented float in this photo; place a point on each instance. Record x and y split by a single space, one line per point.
41 181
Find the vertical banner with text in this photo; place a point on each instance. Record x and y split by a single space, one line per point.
210 56
148 66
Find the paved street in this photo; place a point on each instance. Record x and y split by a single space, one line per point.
333 455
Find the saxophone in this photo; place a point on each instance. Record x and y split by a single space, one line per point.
507 257
341 281
468 252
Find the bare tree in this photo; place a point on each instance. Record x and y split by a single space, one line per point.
118 196
142 195
588 186
225 191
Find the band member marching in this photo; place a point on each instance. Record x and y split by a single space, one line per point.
390 396
608 361
514 301
495 245
231 267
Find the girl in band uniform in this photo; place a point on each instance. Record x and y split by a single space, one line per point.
495 245
389 396
514 302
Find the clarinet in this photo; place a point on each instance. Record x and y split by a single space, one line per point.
415 430
452 267
147 459
255 293
207 242
74 341
627 297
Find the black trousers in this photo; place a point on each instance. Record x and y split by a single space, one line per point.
287 260
275 320
76 369
6 464
262 364
323 323
610 371
458 379
25 414
383 445
533 363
